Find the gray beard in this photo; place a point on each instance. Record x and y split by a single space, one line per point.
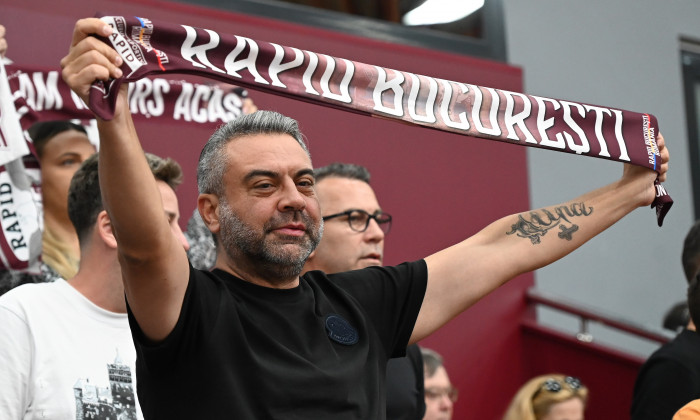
265 253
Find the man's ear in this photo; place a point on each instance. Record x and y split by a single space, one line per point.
208 206
104 229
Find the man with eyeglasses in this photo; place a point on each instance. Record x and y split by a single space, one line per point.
353 238
440 395
354 224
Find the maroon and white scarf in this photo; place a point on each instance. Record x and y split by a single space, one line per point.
152 48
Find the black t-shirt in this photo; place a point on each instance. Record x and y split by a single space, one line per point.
669 379
317 351
405 395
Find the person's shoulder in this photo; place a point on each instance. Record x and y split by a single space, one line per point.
687 344
32 291
687 341
683 352
28 298
688 335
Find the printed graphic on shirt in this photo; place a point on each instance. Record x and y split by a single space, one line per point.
115 401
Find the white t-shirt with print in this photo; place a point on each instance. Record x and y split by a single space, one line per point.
63 357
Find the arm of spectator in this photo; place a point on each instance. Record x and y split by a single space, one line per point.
154 264
461 275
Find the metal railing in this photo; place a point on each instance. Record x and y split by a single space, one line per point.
588 315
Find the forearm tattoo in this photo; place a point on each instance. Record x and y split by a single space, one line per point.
537 223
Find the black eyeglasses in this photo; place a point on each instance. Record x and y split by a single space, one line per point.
359 219
554 385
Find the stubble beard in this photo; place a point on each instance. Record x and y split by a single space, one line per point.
266 252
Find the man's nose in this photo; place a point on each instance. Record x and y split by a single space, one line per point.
292 198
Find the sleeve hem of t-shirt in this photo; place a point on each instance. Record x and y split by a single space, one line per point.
419 287
145 342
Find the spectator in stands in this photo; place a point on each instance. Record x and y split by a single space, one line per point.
670 378
60 147
353 238
261 203
440 395
61 342
549 397
350 238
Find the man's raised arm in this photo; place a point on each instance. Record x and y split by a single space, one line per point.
461 275
154 263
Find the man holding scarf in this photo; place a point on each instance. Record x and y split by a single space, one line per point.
253 339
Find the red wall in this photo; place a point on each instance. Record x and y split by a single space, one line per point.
440 188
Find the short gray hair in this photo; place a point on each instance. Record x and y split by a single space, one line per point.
342 170
431 361
213 159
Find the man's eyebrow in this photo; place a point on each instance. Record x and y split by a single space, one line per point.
272 174
303 172
69 153
260 173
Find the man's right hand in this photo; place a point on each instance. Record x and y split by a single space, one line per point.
89 59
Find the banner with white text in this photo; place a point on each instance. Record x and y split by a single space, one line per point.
42 95
30 95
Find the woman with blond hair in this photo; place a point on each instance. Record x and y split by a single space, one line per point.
549 397
59 148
